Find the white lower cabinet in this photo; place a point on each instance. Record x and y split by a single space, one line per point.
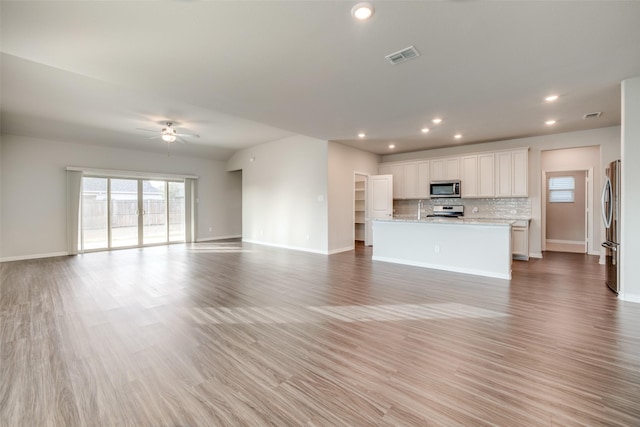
520 240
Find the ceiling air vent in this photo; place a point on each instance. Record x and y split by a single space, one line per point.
592 115
403 55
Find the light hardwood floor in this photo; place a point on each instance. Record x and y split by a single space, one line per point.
217 334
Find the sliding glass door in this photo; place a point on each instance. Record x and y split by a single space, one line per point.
176 205
154 212
120 213
95 219
124 212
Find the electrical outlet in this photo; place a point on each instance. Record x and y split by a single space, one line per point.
437 249
210 228
475 209
308 237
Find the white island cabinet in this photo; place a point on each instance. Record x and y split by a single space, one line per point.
480 247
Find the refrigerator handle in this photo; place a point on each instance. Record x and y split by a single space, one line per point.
606 196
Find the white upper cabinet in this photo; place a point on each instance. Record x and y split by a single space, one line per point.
411 181
503 174
520 173
477 175
397 170
443 169
492 174
469 176
486 177
512 170
424 180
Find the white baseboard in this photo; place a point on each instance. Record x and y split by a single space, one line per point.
629 297
345 249
211 239
293 248
535 254
593 253
446 268
34 256
566 242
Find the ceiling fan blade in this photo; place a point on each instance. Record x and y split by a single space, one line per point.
149 130
180 140
155 137
195 135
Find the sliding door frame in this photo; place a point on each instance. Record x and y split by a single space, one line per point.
140 211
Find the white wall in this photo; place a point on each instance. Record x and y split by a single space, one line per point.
607 138
630 217
343 163
0 196
284 193
582 158
34 190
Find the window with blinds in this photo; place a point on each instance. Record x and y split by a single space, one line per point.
562 189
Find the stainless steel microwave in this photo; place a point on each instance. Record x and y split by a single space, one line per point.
445 189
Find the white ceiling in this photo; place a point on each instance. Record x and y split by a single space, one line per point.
241 73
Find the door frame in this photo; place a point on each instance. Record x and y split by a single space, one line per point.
367 231
588 233
388 178
139 213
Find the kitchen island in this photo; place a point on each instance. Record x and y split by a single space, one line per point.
472 246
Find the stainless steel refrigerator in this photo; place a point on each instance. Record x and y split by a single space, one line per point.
611 218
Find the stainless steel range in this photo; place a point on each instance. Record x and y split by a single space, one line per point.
452 211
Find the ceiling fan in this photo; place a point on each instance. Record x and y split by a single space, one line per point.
170 134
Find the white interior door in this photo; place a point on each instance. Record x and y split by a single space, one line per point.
380 202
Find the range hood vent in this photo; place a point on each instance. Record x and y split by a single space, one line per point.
592 115
403 55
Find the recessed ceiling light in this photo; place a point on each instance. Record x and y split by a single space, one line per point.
362 11
457 136
392 146
361 135
437 120
550 122
551 98
424 130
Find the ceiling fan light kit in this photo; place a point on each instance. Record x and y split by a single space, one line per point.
169 134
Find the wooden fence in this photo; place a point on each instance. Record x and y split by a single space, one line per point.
124 213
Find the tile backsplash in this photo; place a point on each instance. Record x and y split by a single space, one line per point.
509 208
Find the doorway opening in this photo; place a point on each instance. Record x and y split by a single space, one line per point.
360 182
566 211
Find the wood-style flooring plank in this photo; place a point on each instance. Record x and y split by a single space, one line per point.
235 334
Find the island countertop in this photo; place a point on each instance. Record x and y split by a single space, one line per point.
458 221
